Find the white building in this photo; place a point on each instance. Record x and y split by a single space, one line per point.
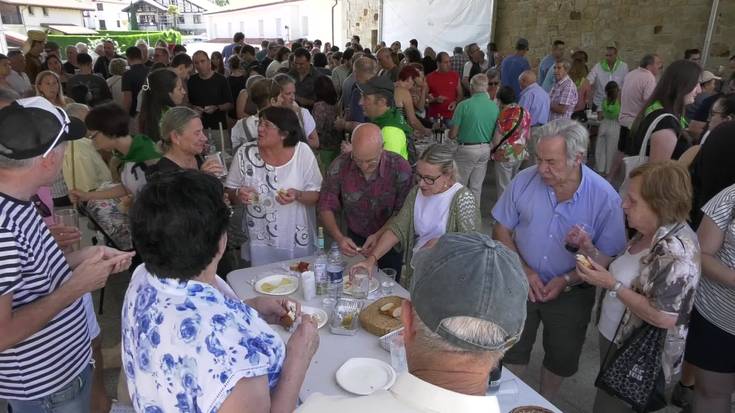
19 16
109 15
287 19
154 14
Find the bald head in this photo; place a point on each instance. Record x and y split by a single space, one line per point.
366 136
527 78
367 147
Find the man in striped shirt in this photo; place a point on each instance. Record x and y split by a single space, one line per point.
44 338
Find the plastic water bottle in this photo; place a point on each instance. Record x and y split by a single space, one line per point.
335 271
320 266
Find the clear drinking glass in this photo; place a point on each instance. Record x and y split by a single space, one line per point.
69 218
574 237
217 156
361 283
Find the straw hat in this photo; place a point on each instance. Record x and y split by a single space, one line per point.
33 35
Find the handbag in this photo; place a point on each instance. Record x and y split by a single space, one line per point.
628 374
632 162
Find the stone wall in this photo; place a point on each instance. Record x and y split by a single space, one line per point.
666 27
361 17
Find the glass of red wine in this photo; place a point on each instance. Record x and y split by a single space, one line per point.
575 236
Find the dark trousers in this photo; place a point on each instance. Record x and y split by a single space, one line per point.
392 259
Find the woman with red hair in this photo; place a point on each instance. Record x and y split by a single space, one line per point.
404 101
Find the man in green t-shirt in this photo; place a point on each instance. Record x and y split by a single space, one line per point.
473 125
377 102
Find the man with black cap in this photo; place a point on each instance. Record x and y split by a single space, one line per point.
378 104
44 345
467 308
514 65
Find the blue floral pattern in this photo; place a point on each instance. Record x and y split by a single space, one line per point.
185 345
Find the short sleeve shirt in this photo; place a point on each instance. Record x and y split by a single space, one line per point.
669 277
185 345
716 301
132 81
31 268
564 92
530 209
476 119
442 84
368 203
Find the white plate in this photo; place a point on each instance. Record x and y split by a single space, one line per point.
317 313
365 376
347 286
282 284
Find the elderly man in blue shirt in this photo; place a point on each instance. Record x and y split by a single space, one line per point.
537 216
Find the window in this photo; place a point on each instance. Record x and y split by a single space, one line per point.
197 19
261 29
30 10
10 14
45 11
304 26
181 19
278 28
100 7
103 25
118 24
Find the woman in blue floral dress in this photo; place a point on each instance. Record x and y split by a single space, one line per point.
189 343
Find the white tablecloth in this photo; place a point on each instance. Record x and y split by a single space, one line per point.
334 350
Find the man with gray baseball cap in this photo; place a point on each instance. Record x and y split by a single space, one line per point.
467 307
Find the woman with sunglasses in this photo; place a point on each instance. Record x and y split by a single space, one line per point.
438 204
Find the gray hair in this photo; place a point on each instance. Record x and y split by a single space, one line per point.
442 156
141 41
364 65
10 163
648 60
70 47
576 136
492 73
117 66
82 47
479 83
175 120
566 63
465 328
77 110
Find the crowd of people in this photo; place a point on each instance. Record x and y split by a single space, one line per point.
245 153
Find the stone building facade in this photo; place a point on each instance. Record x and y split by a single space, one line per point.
666 27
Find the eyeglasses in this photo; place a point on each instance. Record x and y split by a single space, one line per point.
493 83
428 180
64 128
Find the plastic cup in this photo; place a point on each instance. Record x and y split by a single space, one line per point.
69 218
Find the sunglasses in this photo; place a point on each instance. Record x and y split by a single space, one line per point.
40 206
493 83
64 128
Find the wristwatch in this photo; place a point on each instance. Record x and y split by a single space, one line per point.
614 291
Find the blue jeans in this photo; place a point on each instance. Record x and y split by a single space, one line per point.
72 398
